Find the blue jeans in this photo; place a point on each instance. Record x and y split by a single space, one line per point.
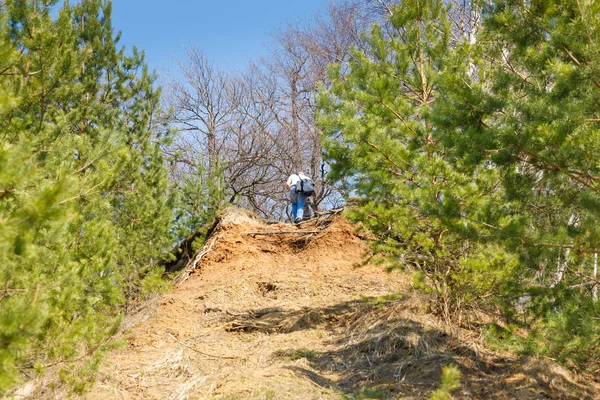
298 200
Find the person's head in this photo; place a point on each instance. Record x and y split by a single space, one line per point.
301 173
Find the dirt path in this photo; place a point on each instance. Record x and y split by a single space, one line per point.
273 317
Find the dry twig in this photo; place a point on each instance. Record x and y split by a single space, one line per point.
198 351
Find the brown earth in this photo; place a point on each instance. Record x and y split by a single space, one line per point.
300 316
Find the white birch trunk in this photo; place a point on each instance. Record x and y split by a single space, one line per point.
595 289
562 264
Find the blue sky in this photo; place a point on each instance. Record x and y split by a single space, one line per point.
231 32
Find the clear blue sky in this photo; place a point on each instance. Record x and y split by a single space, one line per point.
231 32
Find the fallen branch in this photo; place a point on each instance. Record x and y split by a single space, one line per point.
236 326
198 351
330 212
277 232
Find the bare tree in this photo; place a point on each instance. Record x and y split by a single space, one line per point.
259 126
297 65
252 151
202 104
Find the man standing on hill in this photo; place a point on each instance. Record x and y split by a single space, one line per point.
300 186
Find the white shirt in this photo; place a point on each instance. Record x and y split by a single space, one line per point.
294 178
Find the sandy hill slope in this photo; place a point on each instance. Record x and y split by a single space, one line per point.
285 312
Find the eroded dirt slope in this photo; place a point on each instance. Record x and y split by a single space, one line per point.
294 315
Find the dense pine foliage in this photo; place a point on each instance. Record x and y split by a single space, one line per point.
381 135
84 212
475 159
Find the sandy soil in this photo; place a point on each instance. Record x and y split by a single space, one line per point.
297 316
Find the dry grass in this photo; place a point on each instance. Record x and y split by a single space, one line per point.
286 317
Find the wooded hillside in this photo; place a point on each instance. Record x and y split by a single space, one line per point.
462 137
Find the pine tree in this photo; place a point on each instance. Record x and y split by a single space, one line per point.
198 196
531 112
382 144
84 208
